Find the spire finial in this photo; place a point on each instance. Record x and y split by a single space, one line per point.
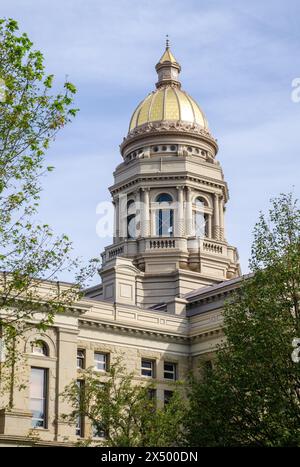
167 41
168 68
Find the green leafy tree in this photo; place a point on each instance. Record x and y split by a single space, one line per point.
31 115
252 395
123 410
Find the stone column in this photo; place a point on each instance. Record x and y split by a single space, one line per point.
152 222
221 219
122 216
146 213
179 221
188 213
138 212
209 226
116 221
216 230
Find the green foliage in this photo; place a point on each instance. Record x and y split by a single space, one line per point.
31 115
123 409
252 396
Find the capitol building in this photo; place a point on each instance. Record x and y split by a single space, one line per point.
164 279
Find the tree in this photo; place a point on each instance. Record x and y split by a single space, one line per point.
122 411
252 395
30 255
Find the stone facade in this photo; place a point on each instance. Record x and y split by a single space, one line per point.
164 278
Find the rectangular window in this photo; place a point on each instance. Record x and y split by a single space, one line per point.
152 394
170 370
147 368
167 397
38 397
208 365
80 359
2 346
100 361
80 417
98 430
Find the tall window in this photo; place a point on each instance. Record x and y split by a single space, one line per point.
38 397
131 219
167 397
100 361
200 218
164 216
80 358
80 416
2 346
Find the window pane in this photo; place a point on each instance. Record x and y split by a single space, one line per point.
37 383
170 370
38 347
147 368
164 198
164 222
98 431
167 396
131 227
200 203
147 364
200 224
80 419
38 397
80 358
169 366
100 361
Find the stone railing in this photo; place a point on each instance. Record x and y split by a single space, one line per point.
212 247
162 244
115 252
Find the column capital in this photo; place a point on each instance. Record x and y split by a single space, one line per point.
179 187
146 189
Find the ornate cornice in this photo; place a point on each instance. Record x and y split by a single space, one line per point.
184 338
169 126
133 181
108 326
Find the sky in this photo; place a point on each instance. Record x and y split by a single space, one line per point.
238 62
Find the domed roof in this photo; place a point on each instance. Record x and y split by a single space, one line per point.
168 102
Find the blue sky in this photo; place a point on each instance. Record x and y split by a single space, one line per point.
238 61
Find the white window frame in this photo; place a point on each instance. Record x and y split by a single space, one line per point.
173 372
144 368
105 366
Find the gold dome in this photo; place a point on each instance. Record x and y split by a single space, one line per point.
168 102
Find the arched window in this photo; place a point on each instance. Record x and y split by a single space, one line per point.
164 198
200 203
164 216
201 218
131 221
39 347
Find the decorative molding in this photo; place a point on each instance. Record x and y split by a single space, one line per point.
132 330
162 126
205 181
170 125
